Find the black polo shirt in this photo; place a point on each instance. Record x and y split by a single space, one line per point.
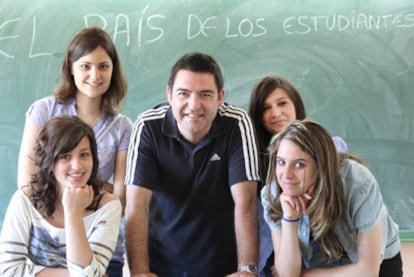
191 215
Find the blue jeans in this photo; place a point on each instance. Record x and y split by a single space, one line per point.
115 269
392 267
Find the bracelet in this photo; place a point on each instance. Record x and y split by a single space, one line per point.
290 220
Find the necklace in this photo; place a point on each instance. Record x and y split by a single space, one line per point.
96 120
85 118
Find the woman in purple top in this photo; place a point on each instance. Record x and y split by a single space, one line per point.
92 87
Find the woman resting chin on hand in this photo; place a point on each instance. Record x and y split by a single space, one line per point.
325 209
62 223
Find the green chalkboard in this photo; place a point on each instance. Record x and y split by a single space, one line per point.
353 62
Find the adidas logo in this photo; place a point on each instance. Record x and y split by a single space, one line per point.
215 157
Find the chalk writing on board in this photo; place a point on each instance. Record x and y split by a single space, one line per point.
31 53
153 27
122 26
301 25
13 37
2 26
245 27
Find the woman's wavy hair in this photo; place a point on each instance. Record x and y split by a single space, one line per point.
84 42
59 135
326 208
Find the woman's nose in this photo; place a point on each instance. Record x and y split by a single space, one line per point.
289 170
75 163
94 73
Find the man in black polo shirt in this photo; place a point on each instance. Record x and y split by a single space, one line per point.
191 181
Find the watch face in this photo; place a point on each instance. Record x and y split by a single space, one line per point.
249 268
252 268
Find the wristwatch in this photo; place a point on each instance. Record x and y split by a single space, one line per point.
249 268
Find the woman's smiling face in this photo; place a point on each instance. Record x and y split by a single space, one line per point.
295 170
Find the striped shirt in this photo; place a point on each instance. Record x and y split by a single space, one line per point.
29 243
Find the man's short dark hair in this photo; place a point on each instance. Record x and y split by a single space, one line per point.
197 62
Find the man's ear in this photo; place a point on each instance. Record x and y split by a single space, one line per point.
168 90
221 96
